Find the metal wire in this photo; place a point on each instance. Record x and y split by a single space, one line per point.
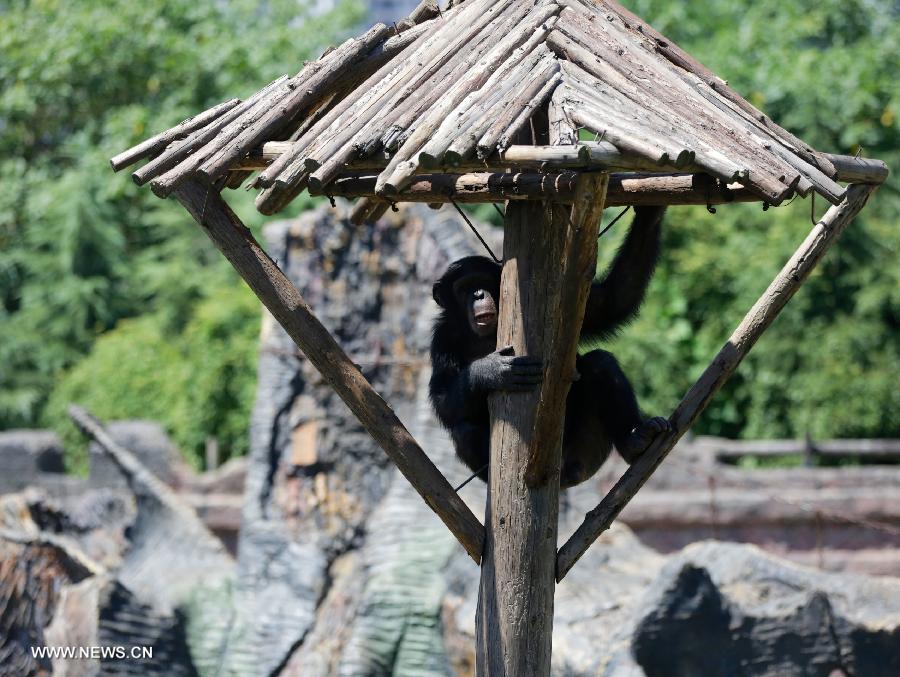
613 222
471 477
474 229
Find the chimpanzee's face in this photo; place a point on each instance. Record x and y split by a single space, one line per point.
476 295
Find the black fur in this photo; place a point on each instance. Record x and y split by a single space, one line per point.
601 409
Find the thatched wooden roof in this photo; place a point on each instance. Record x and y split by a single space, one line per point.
446 92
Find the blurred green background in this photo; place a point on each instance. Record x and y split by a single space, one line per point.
112 298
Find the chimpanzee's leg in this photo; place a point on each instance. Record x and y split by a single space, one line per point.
473 446
616 404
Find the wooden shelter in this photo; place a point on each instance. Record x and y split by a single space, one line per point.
488 101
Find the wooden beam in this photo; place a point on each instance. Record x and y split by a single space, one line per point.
286 304
583 155
550 253
760 317
870 449
624 189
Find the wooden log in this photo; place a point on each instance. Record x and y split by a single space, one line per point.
377 64
367 209
480 187
635 132
583 155
355 110
624 189
615 95
286 304
275 198
763 313
561 328
179 150
351 85
235 178
456 138
404 164
594 114
563 131
156 144
679 57
397 123
549 260
309 86
368 121
644 77
858 170
425 10
485 139
422 85
163 184
519 122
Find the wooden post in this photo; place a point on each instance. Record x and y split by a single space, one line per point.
550 253
758 319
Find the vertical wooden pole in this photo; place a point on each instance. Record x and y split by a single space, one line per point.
550 253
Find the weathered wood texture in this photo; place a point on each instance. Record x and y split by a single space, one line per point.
156 143
286 304
870 449
757 320
624 189
568 153
550 253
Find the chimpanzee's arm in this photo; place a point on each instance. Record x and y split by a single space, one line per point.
458 391
617 298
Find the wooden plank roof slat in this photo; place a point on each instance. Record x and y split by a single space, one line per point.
639 75
476 112
404 164
305 88
369 126
291 169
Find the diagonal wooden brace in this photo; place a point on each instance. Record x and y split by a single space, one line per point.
763 313
286 304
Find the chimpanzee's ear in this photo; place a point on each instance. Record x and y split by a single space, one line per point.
439 292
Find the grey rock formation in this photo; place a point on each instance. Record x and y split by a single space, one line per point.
727 609
148 441
27 454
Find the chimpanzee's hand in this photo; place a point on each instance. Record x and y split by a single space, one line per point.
502 370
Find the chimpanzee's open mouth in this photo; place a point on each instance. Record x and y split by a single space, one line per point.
485 318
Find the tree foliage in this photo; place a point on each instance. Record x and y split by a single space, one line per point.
829 366
82 249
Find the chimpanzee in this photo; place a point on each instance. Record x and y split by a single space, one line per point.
601 409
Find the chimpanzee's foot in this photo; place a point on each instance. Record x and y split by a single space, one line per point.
640 438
